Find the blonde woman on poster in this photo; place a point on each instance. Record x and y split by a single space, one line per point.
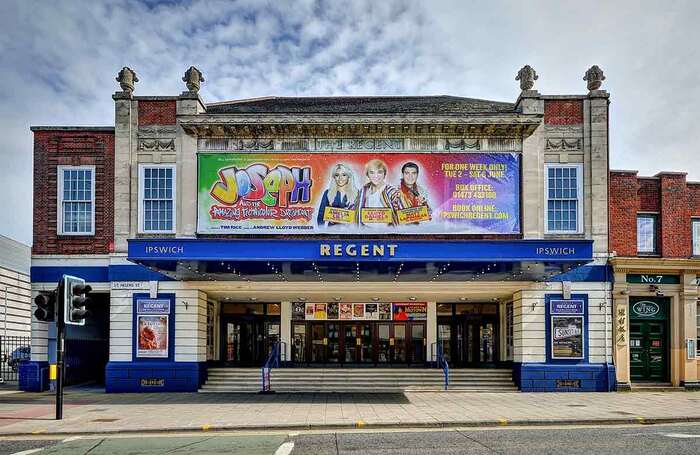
340 198
378 200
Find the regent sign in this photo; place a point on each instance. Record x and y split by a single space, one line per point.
359 193
354 249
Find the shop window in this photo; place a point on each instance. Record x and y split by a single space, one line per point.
444 309
76 199
646 234
696 237
273 309
157 198
509 331
564 199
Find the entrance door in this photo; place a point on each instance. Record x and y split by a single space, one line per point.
244 343
357 342
417 344
648 339
319 341
648 350
477 340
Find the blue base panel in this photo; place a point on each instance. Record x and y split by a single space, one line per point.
547 377
33 376
135 377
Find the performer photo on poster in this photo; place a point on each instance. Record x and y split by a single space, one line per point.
385 311
410 311
358 310
414 198
346 311
320 312
371 311
309 311
298 311
378 201
567 337
333 311
152 336
339 199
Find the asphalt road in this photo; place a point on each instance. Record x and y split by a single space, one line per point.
637 439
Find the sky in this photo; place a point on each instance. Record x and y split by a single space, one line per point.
59 61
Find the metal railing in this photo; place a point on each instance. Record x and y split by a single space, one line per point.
438 357
276 358
13 350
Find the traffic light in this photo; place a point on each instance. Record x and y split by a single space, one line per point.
75 300
45 306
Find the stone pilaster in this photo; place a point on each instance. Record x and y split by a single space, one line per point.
125 167
621 327
188 103
688 328
596 167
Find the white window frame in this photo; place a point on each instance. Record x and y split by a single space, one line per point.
59 199
655 217
142 168
695 242
579 197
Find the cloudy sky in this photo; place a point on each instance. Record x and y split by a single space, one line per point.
59 60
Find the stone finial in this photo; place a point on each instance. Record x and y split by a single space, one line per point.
527 77
595 77
127 78
193 79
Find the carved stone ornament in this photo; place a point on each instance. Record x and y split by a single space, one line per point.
527 77
157 145
563 144
595 77
193 79
127 78
462 144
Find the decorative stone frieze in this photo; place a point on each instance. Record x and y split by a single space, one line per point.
156 145
563 144
462 144
157 131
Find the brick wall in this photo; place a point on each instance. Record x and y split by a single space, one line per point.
624 204
161 112
73 148
674 239
563 112
667 194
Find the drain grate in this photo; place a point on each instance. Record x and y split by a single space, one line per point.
104 420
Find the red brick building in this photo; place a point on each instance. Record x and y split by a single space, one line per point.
655 244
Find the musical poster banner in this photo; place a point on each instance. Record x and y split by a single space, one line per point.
358 193
409 311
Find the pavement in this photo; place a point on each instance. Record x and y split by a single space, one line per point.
95 412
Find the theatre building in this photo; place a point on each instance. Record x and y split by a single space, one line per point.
337 235
655 243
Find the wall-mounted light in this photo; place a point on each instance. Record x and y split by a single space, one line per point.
301 299
412 299
253 299
375 299
462 299
337 299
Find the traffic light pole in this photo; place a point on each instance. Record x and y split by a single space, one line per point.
60 350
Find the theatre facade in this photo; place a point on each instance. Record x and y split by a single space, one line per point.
375 232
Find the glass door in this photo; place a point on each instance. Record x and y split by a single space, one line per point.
299 343
487 346
318 343
351 343
417 343
444 341
333 348
366 345
384 343
399 354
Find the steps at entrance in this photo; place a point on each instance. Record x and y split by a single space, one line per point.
359 380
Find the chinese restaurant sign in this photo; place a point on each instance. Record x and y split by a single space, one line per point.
437 193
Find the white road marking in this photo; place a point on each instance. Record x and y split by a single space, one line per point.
27 452
293 435
285 449
681 435
72 438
